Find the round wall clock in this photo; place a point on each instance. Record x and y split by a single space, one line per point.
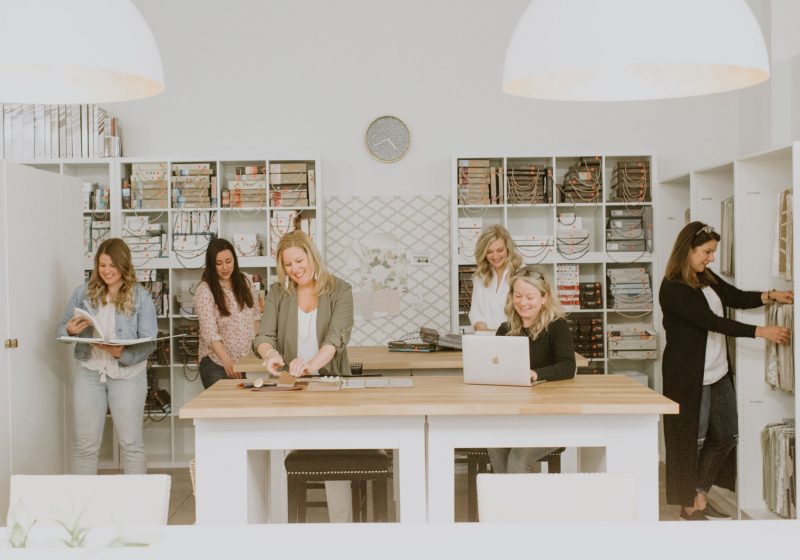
387 139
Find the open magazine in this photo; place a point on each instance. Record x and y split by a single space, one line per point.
101 339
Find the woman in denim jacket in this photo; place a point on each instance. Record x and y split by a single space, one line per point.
110 377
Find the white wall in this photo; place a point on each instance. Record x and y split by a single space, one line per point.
769 114
305 77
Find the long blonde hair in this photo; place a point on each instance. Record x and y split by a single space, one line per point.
551 308
489 235
325 281
678 267
97 291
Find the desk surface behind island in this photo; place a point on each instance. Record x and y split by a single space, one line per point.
379 358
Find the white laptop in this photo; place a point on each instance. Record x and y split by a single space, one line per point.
497 360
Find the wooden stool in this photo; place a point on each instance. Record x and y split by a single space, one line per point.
478 462
356 465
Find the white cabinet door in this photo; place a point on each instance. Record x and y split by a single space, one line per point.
41 249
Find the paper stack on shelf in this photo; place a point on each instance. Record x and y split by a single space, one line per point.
145 240
534 246
567 286
529 184
246 244
292 184
469 229
194 185
630 182
148 186
284 221
158 289
247 189
479 182
591 295
572 241
582 182
629 288
632 342
192 231
94 233
626 231
587 335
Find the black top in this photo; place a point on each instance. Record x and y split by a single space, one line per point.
552 355
687 320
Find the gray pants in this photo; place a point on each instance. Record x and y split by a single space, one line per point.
517 459
718 430
125 398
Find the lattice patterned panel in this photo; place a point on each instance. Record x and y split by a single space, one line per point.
376 243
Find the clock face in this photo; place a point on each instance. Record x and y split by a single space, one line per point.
387 138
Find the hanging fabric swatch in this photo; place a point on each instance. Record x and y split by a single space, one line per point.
779 368
778 455
726 263
783 251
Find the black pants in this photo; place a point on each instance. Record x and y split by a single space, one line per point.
211 372
718 431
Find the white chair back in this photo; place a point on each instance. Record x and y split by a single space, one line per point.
101 500
556 497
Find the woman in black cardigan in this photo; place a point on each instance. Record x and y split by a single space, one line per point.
535 312
701 440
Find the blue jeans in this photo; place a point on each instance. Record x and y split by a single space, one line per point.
210 372
91 399
517 459
718 430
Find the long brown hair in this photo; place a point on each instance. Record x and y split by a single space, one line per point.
551 308
678 268
97 291
239 285
324 279
489 235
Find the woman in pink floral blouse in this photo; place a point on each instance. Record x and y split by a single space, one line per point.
228 312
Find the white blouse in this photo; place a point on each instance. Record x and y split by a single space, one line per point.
307 343
101 361
716 364
489 302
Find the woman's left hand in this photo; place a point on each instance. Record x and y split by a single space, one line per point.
115 351
298 367
783 297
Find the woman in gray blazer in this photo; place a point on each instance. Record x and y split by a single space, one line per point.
308 313
306 324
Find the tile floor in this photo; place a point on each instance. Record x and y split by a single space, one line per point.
181 507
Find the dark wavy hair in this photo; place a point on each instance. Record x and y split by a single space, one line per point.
239 283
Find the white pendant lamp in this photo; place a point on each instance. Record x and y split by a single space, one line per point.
624 50
76 51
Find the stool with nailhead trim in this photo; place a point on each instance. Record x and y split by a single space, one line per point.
356 465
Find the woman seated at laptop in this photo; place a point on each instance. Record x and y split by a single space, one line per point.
534 311
497 258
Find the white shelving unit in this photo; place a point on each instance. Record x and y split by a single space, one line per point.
522 219
169 440
755 183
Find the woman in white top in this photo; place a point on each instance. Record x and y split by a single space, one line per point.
110 377
306 324
498 259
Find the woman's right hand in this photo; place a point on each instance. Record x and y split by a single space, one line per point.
76 325
273 361
778 335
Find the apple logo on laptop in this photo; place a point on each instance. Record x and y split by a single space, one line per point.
495 360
